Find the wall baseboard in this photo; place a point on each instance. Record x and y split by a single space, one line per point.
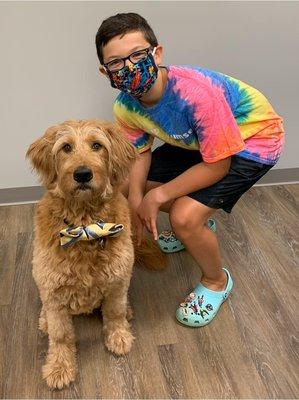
280 177
26 194
32 194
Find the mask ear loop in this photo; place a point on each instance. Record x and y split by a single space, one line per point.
154 62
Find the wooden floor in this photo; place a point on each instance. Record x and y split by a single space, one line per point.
249 351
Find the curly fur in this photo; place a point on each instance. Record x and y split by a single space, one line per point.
81 278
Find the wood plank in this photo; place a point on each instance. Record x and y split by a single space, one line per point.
20 331
8 248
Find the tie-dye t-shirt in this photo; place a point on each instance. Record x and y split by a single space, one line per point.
206 110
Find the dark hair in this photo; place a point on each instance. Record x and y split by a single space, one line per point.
121 24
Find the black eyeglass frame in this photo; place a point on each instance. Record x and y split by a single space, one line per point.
124 59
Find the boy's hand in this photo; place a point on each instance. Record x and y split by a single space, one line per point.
148 211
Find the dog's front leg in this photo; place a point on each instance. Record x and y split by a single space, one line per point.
60 368
118 336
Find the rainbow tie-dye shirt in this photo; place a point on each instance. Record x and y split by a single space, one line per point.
206 110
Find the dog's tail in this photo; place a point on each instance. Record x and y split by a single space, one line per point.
149 255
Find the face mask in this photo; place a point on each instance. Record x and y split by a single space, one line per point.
135 79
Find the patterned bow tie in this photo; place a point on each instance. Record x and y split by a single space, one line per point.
96 230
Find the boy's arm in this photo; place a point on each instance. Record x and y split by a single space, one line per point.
142 141
138 177
197 177
137 182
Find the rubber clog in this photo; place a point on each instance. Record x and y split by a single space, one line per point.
168 242
202 305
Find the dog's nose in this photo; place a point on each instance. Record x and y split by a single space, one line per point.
82 174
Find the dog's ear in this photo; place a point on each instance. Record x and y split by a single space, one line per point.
40 155
123 154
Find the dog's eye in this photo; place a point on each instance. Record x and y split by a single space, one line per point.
96 146
67 148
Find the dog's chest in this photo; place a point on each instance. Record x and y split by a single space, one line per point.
83 292
87 273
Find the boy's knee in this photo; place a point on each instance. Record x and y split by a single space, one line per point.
181 218
185 218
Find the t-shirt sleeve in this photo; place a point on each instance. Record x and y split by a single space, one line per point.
218 133
141 140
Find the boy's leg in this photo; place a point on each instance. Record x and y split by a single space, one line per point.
188 218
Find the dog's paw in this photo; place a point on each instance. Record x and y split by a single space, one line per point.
119 341
58 375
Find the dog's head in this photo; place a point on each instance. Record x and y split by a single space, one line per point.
78 158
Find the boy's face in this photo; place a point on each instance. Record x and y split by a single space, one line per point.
123 46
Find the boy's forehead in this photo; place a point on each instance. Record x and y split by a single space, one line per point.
122 45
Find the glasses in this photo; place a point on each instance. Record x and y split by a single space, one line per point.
119 63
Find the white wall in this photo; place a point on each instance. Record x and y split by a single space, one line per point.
49 68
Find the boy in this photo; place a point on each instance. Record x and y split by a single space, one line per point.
221 136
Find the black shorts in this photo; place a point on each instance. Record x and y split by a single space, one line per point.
170 161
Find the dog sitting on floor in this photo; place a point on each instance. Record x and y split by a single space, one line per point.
83 251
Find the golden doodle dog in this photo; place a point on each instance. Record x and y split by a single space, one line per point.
83 251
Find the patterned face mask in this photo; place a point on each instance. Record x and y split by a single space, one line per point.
135 79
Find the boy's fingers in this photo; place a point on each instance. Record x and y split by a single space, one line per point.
154 229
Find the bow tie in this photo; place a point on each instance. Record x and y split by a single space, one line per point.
96 230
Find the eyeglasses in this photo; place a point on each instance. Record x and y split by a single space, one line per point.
119 63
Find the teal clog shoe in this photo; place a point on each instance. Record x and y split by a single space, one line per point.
168 242
202 305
